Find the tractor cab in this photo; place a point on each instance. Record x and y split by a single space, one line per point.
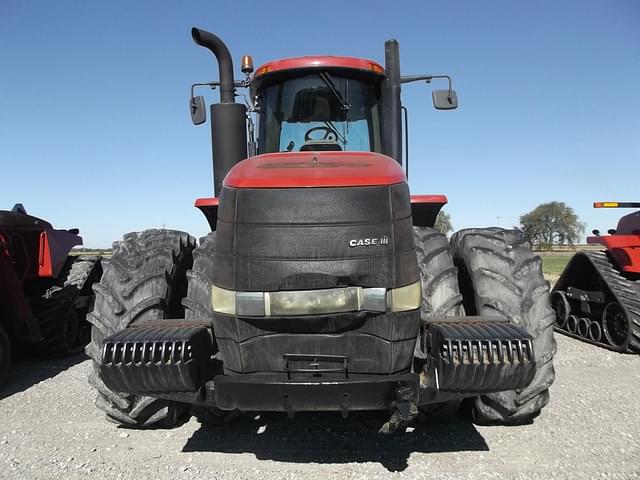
319 104
307 104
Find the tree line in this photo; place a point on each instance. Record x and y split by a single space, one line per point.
549 224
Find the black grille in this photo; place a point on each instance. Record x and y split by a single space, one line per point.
301 238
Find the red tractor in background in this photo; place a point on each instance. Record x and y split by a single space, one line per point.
45 293
597 297
323 285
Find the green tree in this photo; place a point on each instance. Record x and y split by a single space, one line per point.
553 223
443 223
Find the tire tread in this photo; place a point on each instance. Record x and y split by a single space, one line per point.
144 280
506 280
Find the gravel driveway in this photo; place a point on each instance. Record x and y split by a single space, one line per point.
49 428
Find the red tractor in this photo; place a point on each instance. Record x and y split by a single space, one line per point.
44 292
597 297
323 285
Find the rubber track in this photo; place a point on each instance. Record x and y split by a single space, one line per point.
143 281
505 279
626 292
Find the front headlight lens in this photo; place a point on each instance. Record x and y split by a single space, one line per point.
310 302
316 302
405 298
223 301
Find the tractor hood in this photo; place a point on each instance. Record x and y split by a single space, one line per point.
315 169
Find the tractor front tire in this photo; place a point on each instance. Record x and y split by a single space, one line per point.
198 306
143 281
440 293
500 276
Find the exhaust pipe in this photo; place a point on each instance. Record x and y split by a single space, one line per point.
392 107
225 64
228 118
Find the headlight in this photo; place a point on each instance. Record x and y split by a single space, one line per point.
310 302
316 302
223 301
405 298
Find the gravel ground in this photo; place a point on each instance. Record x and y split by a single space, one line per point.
49 428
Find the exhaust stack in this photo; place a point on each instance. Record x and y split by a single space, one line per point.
225 64
392 110
228 119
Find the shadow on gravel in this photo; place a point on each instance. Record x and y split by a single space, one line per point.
26 372
326 438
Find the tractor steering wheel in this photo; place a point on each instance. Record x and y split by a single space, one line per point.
329 134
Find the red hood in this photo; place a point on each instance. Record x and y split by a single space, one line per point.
315 169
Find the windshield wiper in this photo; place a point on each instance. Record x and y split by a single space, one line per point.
328 81
340 138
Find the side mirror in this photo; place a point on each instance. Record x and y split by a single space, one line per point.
198 110
445 99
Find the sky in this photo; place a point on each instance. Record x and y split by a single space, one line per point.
95 130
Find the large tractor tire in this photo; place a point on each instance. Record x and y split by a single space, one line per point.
62 310
198 306
59 326
144 281
500 276
440 293
5 355
85 271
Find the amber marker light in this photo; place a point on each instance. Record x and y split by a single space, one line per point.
247 64
262 71
374 67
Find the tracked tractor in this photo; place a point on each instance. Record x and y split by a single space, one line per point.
597 297
323 285
45 293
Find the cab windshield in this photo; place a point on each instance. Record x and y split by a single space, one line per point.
320 112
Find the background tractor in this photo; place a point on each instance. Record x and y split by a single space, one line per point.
597 297
45 293
323 285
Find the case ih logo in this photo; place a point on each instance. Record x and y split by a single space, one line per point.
366 242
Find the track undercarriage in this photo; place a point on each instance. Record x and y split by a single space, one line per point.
596 302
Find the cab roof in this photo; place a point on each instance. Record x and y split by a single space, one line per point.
319 62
